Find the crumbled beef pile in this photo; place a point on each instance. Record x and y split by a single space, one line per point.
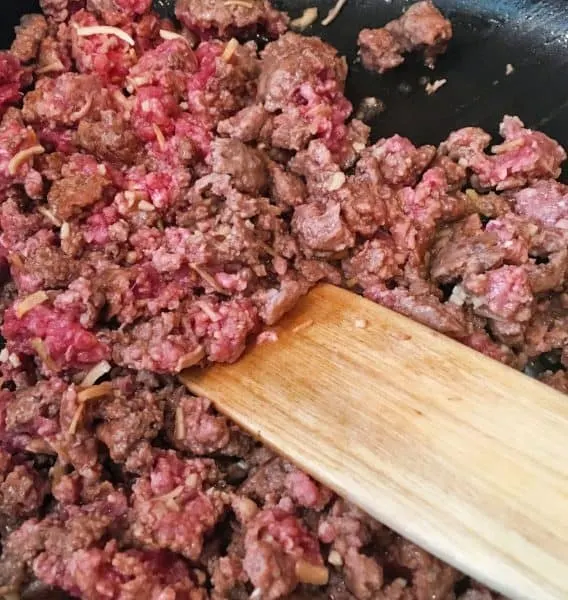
421 27
163 201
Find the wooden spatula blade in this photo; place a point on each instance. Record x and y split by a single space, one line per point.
460 454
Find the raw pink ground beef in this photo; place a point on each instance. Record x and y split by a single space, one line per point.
160 205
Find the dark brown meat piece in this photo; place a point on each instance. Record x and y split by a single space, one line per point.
430 577
29 35
133 415
421 27
46 267
70 195
465 248
109 138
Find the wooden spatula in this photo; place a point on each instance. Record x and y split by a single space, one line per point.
459 453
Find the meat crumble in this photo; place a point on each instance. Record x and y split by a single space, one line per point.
421 27
166 194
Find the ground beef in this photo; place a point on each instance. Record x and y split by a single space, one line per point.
12 79
223 19
246 125
275 541
109 138
196 428
321 228
131 416
159 204
304 78
22 489
524 157
70 195
421 27
170 508
294 62
244 165
118 12
59 10
29 35
134 572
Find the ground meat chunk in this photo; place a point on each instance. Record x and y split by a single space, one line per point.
170 510
558 380
286 188
364 205
18 148
71 195
117 12
64 101
294 64
29 35
224 19
275 303
22 489
421 27
125 574
246 125
161 345
503 293
348 529
45 546
320 228
395 161
430 577
133 414
105 55
244 165
545 202
109 138
465 248
12 79
195 427
167 66
44 267
524 157
65 343
426 309
53 58
58 10
275 542
220 88
376 262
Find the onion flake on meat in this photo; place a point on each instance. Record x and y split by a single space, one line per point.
105 30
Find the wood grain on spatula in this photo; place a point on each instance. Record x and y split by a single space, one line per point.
461 454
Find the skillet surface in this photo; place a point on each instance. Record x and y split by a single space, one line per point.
531 35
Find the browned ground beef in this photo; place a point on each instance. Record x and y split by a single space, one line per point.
421 27
161 204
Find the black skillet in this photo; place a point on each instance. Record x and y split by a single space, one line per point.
530 35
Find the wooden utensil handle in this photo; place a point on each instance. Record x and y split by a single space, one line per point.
459 453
